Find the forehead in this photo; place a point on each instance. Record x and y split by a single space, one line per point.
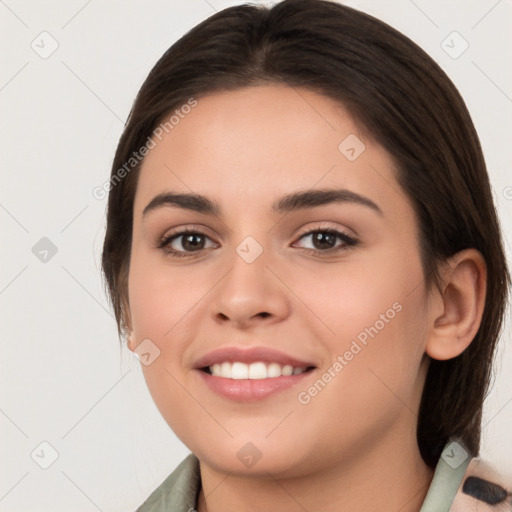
252 145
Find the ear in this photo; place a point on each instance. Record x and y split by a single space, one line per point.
130 341
456 312
127 327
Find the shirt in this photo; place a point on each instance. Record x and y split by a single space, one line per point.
180 490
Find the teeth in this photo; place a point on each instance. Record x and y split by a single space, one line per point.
287 370
239 371
274 370
255 371
225 370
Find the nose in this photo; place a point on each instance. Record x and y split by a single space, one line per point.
250 293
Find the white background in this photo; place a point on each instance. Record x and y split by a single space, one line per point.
63 377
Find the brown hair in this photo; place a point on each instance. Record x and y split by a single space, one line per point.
400 97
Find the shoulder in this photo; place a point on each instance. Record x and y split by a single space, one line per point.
483 489
178 492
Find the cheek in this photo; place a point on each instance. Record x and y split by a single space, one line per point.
377 314
383 293
161 304
161 296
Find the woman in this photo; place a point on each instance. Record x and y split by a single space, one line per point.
302 249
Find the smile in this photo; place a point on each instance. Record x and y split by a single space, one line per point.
256 371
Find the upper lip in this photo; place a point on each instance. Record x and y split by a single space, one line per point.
248 356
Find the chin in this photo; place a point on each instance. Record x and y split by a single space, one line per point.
248 458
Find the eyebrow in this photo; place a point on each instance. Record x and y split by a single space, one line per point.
295 201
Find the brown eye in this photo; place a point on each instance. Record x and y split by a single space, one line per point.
324 240
192 241
184 243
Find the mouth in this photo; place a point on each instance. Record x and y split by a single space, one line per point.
240 382
258 370
244 374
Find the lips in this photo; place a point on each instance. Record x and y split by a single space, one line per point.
244 386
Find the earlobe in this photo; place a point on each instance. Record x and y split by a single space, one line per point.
130 339
130 342
457 311
127 326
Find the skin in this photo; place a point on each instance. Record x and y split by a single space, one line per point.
354 444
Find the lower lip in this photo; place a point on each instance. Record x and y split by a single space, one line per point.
251 390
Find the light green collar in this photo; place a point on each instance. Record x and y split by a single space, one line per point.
450 471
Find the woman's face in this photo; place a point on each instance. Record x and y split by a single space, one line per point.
351 304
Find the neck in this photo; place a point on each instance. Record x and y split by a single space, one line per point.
388 476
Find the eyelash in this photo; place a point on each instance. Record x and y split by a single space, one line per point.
348 242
